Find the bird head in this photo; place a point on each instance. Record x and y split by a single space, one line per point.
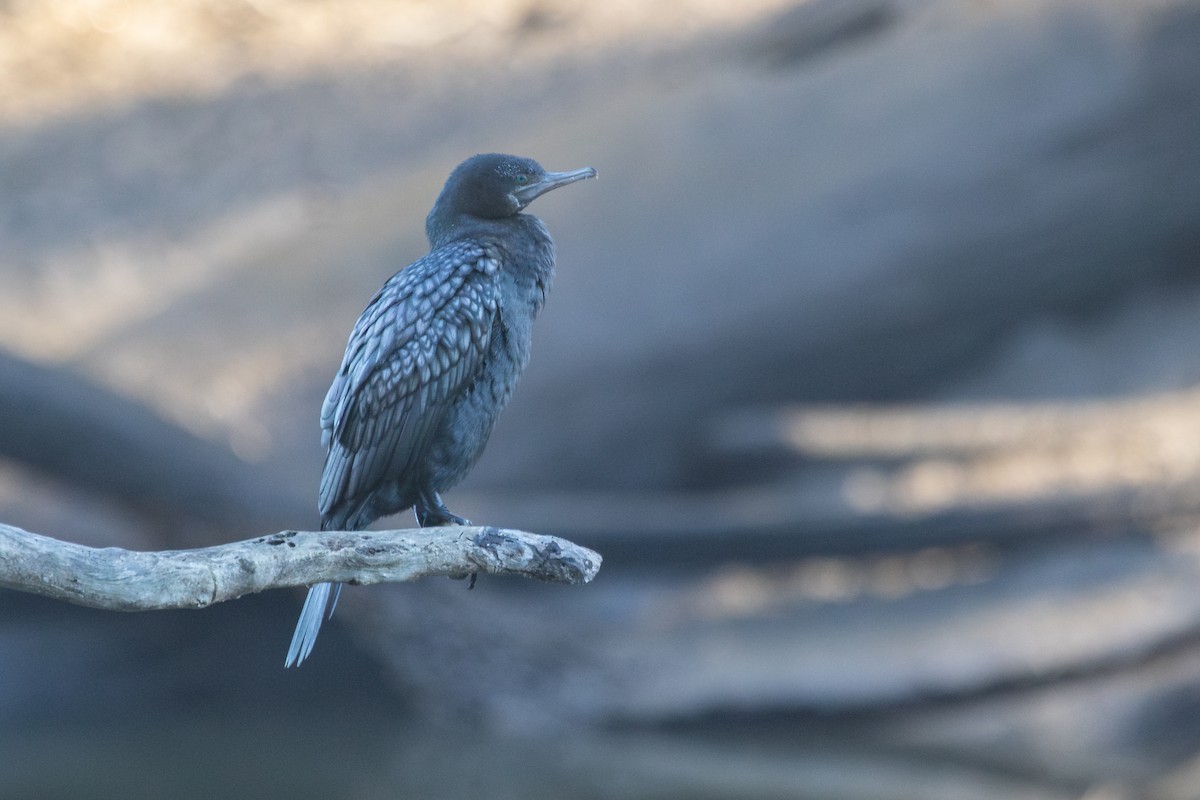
494 186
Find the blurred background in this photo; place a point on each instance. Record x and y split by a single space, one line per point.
871 368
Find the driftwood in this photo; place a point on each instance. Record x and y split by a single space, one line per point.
124 580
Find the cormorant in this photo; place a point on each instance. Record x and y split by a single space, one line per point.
434 358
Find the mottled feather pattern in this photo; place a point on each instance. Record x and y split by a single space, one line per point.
434 358
421 338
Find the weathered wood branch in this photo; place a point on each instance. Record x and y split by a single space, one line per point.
126 580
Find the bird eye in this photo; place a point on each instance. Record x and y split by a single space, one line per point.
522 179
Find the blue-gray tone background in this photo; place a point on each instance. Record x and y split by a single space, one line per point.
871 368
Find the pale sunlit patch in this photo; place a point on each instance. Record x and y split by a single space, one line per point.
739 590
59 56
939 457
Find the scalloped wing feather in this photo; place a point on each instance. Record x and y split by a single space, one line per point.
419 342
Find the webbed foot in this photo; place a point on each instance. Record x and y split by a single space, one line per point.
431 512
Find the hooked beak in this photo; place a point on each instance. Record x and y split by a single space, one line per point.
551 180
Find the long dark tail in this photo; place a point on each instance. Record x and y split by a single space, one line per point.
318 607
322 599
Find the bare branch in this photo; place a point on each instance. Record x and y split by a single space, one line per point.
127 580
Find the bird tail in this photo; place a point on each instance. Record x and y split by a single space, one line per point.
318 607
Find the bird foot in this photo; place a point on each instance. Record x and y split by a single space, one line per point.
436 518
431 512
469 577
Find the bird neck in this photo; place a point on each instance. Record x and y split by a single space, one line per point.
442 228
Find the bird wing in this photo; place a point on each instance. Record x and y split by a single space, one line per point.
421 339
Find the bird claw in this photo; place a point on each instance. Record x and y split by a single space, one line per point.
470 577
431 512
434 519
